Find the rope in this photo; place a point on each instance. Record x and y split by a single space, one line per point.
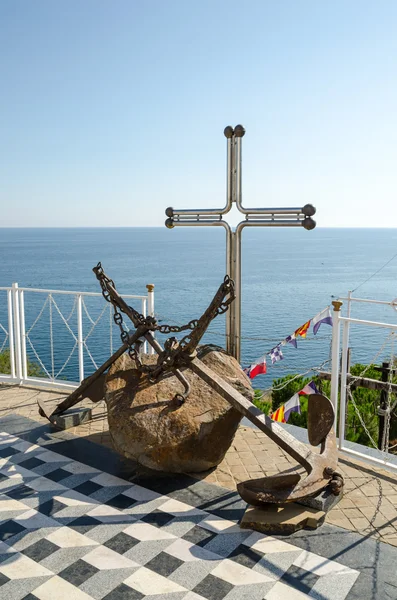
376 272
66 361
5 339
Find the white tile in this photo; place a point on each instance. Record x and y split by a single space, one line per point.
78 468
219 525
281 591
72 498
49 456
141 494
189 552
65 537
32 519
267 544
107 514
25 447
339 584
5 549
237 574
11 470
174 507
60 589
192 596
42 484
108 480
9 439
10 504
319 565
146 532
105 558
149 583
19 566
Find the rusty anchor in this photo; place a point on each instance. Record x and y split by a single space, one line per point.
320 466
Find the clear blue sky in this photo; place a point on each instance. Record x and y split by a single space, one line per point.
110 111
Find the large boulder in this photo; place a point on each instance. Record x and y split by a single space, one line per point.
148 427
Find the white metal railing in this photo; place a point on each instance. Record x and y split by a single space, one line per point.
339 376
31 337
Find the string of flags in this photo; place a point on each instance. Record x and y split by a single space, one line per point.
260 367
283 413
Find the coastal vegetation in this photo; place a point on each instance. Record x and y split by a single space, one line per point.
34 370
366 400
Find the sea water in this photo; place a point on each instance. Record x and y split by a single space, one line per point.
288 276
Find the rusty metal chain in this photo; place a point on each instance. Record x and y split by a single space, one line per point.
172 348
104 281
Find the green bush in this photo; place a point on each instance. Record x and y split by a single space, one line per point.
34 370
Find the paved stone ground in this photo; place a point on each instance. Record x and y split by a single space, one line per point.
369 506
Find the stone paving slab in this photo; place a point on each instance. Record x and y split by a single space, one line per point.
369 505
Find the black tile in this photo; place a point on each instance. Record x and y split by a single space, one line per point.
3 579
158 518
164 564
31 463
123 592
9 529
2 477
299 579
78 572
121 543
87 488
50 507
30 597
199 536
58 475
84 524
246 556
121 501
21 492
40 550
5 452
213 588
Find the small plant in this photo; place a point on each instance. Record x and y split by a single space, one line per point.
34 370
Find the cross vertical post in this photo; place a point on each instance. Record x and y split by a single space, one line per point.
253 217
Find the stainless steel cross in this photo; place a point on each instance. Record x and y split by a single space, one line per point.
253 217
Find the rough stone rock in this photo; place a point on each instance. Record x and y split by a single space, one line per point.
145 425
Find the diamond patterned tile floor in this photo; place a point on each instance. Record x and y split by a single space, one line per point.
103 537
369 506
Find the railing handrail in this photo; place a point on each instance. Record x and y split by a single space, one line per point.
69 292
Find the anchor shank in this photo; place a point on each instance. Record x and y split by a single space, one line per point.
300 452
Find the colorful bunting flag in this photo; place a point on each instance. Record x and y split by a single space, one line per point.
282 414
302 331
322 317
257 368
291 339
310 388
276 354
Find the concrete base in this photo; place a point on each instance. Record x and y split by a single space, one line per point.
281 518
324 500
72 418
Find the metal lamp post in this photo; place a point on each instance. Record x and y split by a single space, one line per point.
253 217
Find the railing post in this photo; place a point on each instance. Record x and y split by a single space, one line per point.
80 339
17 332
150 305
11 333
335 357
343 379
23 334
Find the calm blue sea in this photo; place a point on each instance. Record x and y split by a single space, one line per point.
288 276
